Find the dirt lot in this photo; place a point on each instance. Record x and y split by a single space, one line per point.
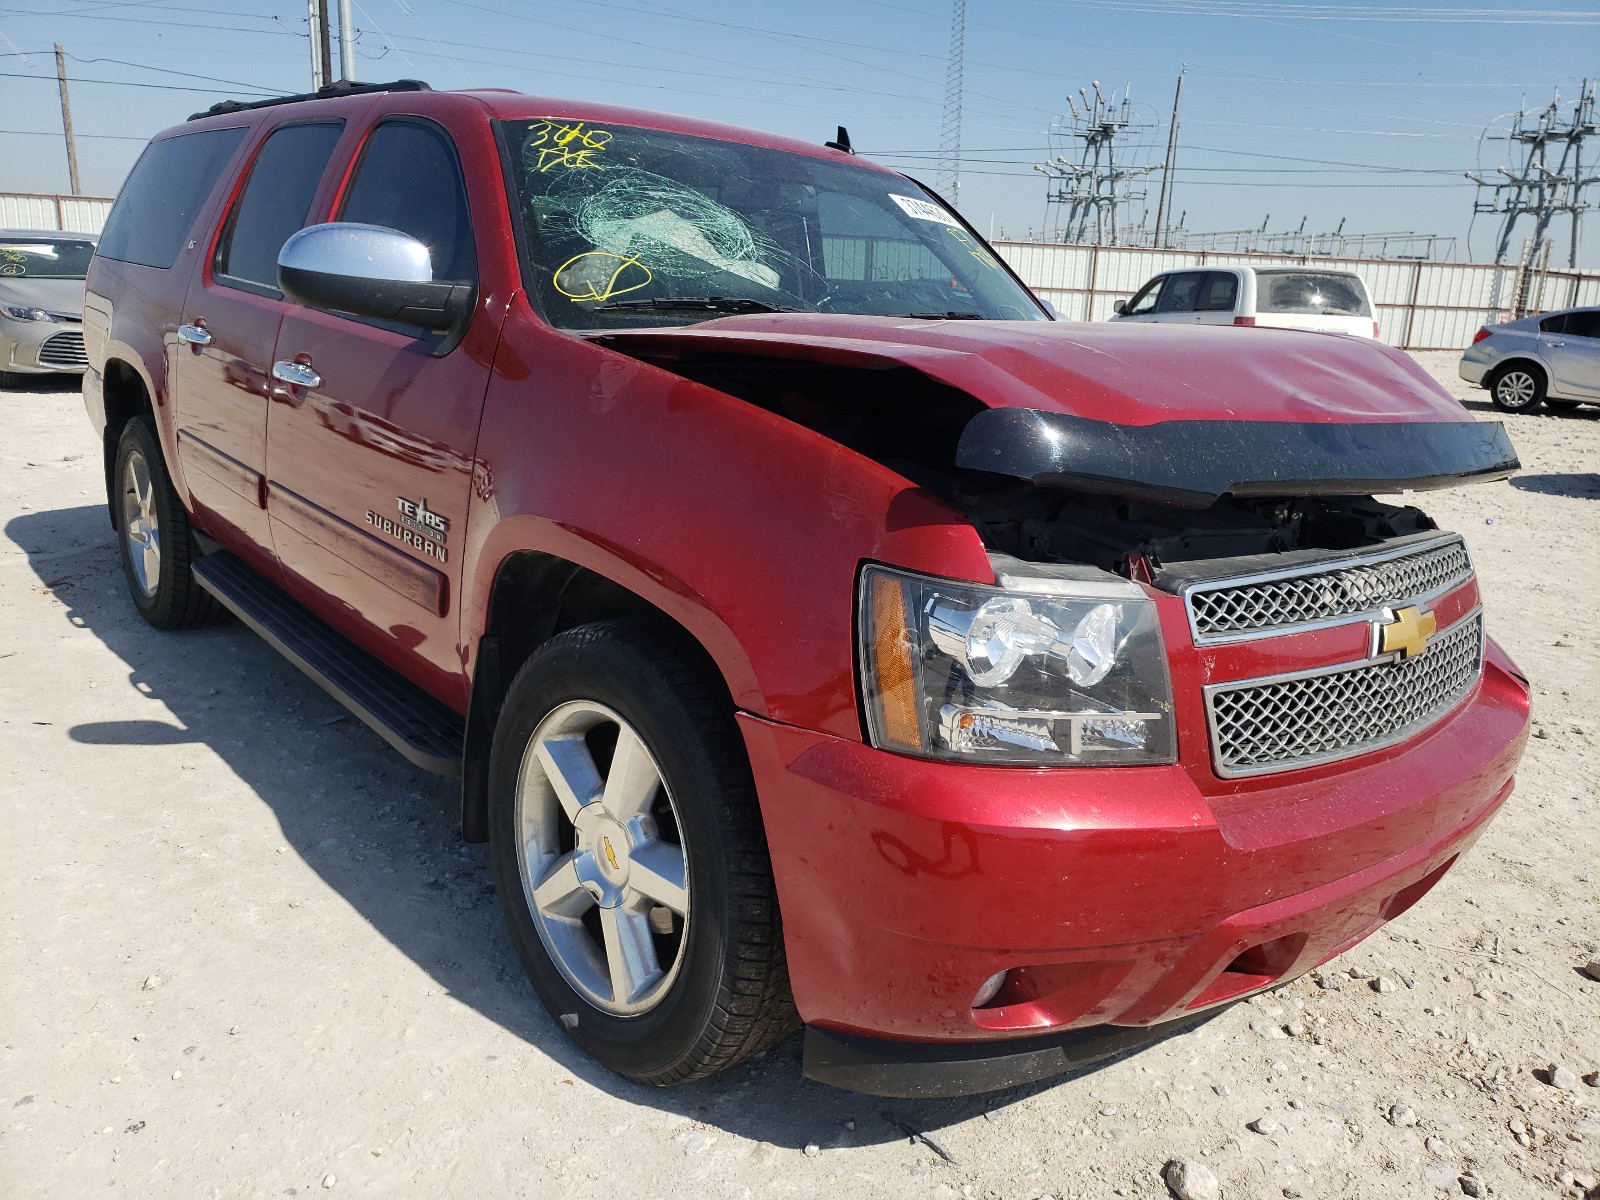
245 954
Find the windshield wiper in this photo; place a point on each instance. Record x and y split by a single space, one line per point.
719 304
942 316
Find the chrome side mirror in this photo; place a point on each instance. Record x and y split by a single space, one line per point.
370 271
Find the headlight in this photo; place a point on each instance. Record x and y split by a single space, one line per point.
19 313
1073 673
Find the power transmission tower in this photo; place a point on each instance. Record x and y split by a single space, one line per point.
1550 179
950 135
1084 193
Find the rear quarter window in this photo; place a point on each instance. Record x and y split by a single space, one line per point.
1311 292
157 206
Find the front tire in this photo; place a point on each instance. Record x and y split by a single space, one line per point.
1518 387
629 855
153 532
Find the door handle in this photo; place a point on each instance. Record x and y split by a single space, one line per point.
196 334
1553 342
300 374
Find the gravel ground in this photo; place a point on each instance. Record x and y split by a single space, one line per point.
245 954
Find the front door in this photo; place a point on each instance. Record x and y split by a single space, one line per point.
219 369
369 460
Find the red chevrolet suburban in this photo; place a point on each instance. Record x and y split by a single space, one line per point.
821 633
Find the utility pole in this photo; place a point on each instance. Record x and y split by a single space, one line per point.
950 134
347 42
1167 167
66 119
321 50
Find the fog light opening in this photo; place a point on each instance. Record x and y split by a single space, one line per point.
989 989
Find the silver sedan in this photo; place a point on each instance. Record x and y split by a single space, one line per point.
41 302
1551 359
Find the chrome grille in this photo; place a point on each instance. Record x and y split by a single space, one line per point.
1281 602
63 350
1293 721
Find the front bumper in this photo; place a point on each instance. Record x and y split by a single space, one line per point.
938 1070
41 347
1129 897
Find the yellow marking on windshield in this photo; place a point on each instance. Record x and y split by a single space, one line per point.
599 275
983 256
566 144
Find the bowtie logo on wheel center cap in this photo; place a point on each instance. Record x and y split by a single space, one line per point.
607 841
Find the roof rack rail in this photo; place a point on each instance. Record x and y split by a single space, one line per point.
343 87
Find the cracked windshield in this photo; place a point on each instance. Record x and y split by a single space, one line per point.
630 227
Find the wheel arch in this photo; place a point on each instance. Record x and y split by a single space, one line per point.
535 596
125 394
1526 361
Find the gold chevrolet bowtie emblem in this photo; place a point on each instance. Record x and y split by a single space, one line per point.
611 855
1407 633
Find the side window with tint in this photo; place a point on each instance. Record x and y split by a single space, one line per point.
1146 300
276 200
1179 294
1219 292
158 204
1557 324
408 178
1584 324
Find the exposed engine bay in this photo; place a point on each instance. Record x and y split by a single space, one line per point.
913 425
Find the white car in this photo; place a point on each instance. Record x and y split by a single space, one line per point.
1278 297
1552 358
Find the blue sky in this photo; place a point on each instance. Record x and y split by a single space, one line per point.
1364 112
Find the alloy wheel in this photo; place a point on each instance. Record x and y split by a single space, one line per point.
602 860
141 524
1516 389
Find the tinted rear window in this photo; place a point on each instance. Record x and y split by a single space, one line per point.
161 199
1311 292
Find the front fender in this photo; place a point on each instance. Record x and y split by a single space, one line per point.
745 528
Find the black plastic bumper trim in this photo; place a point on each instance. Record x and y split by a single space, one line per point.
939 1070
1194 462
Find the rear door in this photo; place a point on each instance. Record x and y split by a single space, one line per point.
219 369
370 465
1573 352
1217 302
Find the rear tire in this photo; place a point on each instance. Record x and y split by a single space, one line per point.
1517 387
153 534
629 855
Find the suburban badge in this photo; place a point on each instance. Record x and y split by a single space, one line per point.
417 526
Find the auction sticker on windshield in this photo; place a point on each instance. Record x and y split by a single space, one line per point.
922 209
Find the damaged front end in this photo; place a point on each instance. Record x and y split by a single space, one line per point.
1141 498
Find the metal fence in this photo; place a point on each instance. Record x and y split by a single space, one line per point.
75 214
1420 305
